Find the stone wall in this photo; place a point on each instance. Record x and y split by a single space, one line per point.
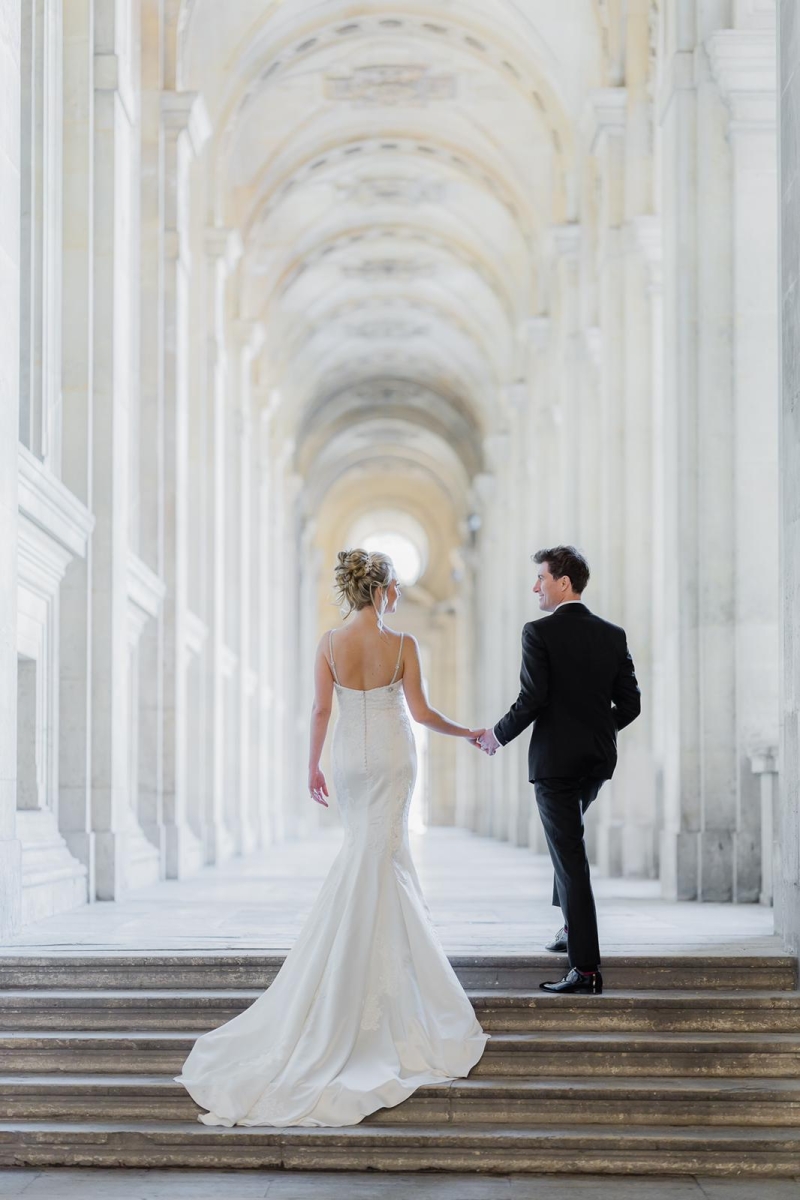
788 873
10 866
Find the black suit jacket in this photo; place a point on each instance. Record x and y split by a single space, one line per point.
578 687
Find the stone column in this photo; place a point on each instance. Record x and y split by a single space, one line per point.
75 636
491 690
10 852
270 821
787 882
186 128
113 341
701 767
605 128
147 533
743 62
223 248
249 338
564 399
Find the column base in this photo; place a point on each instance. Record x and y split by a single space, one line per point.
53 881
184 852
10 888
219 844
609 847
639 852
109 857
142 859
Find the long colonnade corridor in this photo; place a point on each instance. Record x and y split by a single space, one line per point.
455 282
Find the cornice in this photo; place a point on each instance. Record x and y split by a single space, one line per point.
48 503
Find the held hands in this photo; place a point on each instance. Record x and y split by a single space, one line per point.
484 739
317 786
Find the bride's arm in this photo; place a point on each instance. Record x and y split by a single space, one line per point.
418 704
320 717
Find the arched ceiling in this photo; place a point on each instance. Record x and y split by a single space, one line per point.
391 168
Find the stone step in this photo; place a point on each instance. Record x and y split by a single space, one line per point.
498 1010
538 1101
599 1149
210 971
544 1052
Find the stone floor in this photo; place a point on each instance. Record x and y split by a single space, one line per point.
68 1184
486 897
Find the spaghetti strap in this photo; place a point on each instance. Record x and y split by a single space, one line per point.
399 659
333 663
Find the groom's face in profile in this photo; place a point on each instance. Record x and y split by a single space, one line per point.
547 588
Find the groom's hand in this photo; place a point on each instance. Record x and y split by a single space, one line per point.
488 742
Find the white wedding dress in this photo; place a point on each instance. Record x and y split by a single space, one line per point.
366 1007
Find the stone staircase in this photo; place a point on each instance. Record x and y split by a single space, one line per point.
684 1065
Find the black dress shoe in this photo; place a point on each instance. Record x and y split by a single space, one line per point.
576 984
559 942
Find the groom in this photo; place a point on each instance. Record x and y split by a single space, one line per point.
578 688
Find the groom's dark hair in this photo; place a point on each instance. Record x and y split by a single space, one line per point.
565 560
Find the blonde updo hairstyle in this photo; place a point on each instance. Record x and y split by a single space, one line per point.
359 575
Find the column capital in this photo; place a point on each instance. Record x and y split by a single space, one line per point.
186 112
225 244
537 331
645 238
744 65
565 239
517 393
604 115
249 335
593 345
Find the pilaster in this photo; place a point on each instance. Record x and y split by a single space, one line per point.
185 129
743 63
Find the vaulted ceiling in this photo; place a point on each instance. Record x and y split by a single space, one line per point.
391 168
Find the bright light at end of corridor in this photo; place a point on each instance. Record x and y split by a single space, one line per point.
401 550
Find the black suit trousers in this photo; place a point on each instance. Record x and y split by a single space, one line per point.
561 804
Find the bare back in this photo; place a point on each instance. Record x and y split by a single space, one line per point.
363 658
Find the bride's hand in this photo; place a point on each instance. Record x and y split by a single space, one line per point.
317 787
473 736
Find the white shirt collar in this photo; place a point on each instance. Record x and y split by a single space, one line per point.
564 604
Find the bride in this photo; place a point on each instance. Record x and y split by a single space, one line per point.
366 1007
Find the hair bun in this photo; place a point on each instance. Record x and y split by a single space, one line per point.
358 574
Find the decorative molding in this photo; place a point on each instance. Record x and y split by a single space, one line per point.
387 329
46 502
517 393
389 268
228 662
764 761
566 239
186 112
111 74
225 244
196 633
605 114
645 237
391 83
744 65
144 587
145 593
538 331
407 191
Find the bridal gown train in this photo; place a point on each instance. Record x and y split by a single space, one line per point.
366 1007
